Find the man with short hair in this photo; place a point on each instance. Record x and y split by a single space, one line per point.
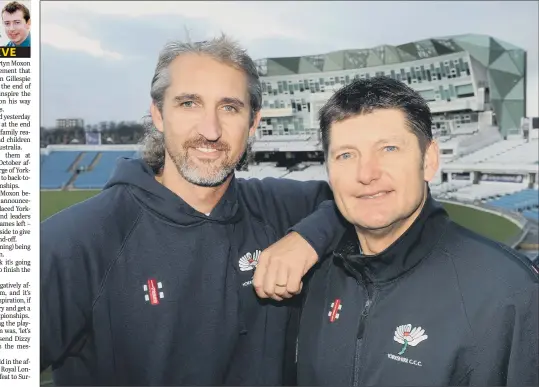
16 19
408 297
149 282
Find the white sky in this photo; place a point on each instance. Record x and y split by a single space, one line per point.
98 57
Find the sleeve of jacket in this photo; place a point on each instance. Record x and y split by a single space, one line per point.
70 277
66 299
508 350
304 207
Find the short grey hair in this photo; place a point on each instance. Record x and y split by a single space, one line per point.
222 49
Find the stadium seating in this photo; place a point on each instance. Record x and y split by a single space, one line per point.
55 169
483 191
532 214
97 177
306 172
443 189
526 199
525 153
312 172
261 171
489 152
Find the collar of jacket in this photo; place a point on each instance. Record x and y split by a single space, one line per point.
401 256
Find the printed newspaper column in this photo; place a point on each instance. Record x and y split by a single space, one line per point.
19 321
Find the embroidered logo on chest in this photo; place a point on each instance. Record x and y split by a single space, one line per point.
335 309
249 261
408 337
152 288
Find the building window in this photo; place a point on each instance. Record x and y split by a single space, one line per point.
428 95
457 68
463 91
467 68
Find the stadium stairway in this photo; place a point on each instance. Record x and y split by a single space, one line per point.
95 161
69 184
75 164
86 162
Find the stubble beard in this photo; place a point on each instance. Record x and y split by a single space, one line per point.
210 173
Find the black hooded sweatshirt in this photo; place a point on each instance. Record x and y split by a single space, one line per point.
440 306
138 288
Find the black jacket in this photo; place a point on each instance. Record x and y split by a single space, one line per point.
441 306
138 288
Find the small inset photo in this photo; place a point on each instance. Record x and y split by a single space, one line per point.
15 37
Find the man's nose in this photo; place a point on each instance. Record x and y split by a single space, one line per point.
210 127
367 170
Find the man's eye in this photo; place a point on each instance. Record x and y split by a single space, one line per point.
390 148
344 156
187 104
230 108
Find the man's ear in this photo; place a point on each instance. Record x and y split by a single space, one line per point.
431 161
256 121
157 118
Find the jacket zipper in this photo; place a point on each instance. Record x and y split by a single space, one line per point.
360 331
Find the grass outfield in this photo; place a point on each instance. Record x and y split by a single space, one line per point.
55 201
484 223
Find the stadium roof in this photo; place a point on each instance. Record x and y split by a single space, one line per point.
483 48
